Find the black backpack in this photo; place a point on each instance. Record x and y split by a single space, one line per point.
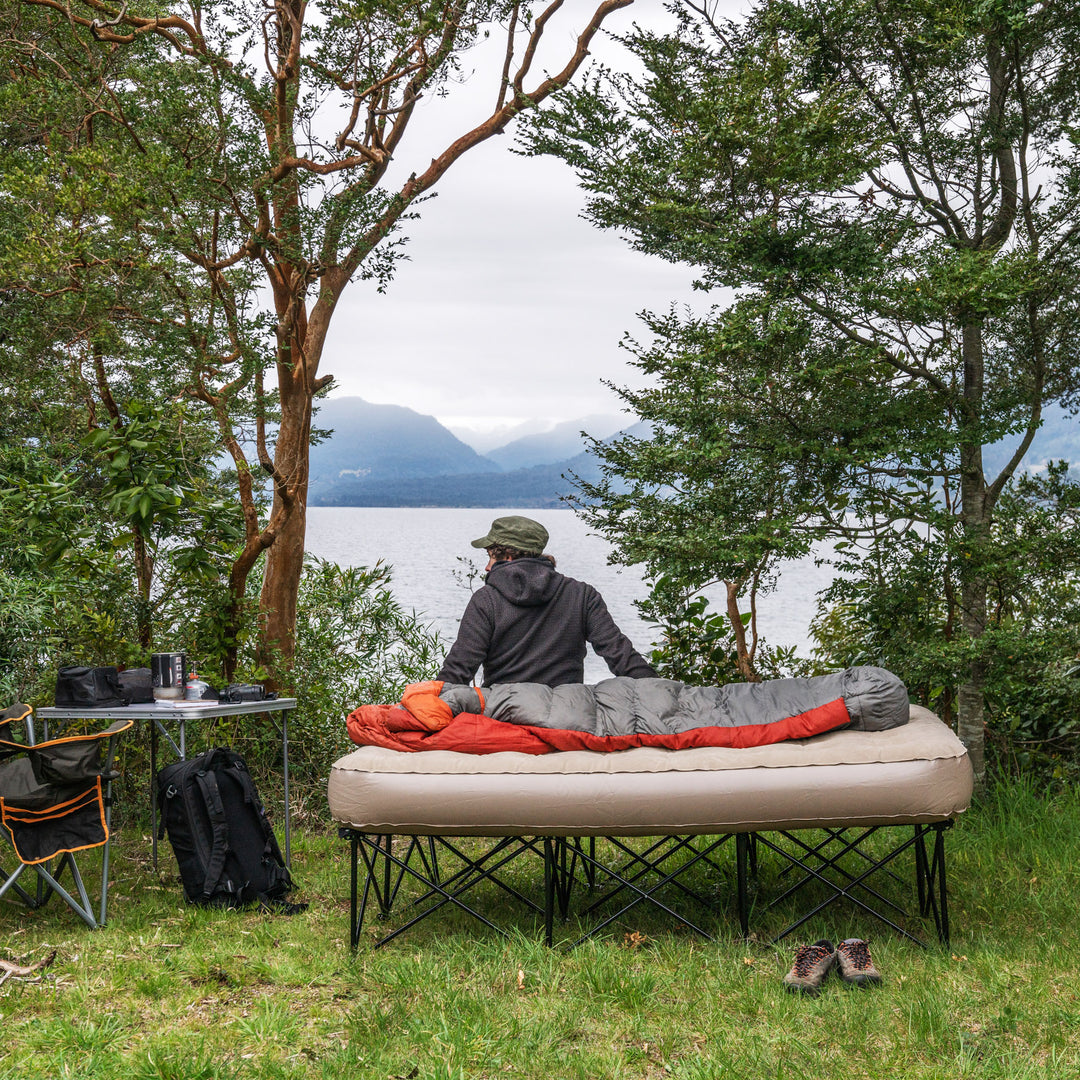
223 842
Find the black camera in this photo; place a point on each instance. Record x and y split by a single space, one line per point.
236 693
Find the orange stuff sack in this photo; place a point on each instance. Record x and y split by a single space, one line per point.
423 703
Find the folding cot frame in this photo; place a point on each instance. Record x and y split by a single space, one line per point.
568 862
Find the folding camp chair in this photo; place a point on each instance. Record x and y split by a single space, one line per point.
55 802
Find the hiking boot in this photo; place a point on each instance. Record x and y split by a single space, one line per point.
853 960
812 963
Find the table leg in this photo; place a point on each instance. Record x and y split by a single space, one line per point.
285 770
153 790
181 753
283 730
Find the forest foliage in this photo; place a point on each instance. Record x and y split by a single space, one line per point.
880 201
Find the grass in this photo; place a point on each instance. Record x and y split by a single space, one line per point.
169 991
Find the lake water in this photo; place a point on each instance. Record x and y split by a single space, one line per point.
423 545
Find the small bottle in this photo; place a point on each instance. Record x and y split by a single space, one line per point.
195 688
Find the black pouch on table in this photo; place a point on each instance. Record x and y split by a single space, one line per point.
88 688
136 686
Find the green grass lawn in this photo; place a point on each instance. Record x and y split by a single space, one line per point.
166 990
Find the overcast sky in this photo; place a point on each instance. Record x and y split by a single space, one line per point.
511 307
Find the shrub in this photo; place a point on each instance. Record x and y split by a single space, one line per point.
355 645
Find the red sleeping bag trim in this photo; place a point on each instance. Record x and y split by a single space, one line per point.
468 733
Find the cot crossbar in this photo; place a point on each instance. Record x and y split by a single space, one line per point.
380 861
649 863
638 876
821 863
651 860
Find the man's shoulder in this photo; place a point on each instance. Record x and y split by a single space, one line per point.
483 597
567 583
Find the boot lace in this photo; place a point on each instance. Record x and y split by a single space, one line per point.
858 952
806 956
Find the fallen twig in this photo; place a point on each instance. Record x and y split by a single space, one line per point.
8 968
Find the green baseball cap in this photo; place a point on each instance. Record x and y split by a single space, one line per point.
517 532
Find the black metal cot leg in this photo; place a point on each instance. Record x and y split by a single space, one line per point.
744 848
387 842
931 877
354 855
565 880
357 903
433 858
939 856
590 863
549 891
922 871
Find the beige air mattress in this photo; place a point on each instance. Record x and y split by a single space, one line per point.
915 774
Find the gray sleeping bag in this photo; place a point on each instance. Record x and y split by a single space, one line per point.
875 700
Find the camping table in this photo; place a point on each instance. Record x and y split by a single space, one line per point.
170 719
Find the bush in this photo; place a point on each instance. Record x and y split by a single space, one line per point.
697 645
355 645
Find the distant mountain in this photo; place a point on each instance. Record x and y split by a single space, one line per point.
484 441
560 443
383 444
387 455
537 487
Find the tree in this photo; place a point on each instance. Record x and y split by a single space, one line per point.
253 144
898 604
755 427
109 483
905 176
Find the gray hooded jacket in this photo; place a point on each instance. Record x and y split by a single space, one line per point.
530 624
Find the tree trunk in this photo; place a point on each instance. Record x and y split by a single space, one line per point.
285 555
975 520
281 582
738 628
144 574
298 383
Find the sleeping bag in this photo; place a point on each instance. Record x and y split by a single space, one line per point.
621 713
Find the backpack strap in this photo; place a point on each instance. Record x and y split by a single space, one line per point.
219 846
279 878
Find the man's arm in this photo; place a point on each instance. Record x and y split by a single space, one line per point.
610 643
471 648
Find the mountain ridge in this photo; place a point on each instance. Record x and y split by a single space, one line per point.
383 444
561 442
390 455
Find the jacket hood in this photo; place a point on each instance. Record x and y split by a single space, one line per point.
525 582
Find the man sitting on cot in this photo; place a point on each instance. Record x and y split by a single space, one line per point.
529 623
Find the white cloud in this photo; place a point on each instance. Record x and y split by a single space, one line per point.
511 306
